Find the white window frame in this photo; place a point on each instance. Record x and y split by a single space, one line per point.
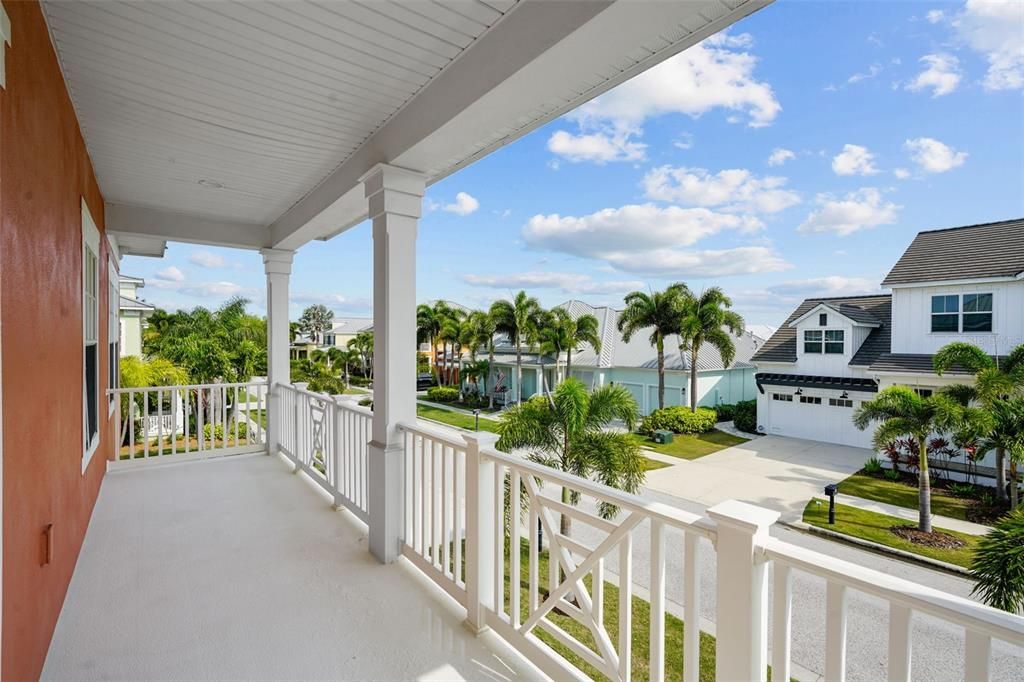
113 332
90 326
823 341
960 312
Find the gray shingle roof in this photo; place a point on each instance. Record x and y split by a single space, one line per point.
781 347
915 363
128 303
972 251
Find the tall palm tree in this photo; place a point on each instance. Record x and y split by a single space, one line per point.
484 328
570 434
902 412
428 325
139 373
451 335
515 319
707 318
662 313
1006 435
362 343
578 332
993 381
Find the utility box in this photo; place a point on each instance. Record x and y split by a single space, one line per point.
662 436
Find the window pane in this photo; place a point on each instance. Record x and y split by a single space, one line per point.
945 304
835 348
822 319
812 335
944 323
977 322
812 347
834 335
92 421
977 303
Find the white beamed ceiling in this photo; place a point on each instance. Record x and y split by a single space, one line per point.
265 113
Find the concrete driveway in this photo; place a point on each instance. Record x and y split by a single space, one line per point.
771 471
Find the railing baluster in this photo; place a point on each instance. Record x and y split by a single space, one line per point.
899 642
445 551
499 538
131 424
235 410
159 422
782 618
224 417
200 422
977 657
835 632
145 423
436 541
657 661
597 591
458 458
626 608
515 573
691 609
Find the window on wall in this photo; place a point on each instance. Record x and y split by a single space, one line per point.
812 341
822 319
945 313
783 397
810 400
840 402
834 341
113 334
90 336
977 313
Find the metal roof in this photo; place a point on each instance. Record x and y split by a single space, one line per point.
781 347
128 303
969 252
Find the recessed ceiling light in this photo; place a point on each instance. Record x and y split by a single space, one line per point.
212 184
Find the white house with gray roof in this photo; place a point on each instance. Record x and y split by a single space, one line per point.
132 314
634 364
958 284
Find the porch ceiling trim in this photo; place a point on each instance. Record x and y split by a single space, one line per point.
807 381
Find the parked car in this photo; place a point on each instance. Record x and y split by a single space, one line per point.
425 380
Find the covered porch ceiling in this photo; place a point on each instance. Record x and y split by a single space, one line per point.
250 124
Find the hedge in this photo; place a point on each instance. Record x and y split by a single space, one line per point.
218 431
679 419
745 416
725 412
443 394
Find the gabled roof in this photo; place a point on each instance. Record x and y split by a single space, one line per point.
983 251
781 347
856 315
128 303
350 325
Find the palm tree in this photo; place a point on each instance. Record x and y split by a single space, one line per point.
362 343
902 412
484 328
993 381
547 337
315 320
428 325
515 319
570 434
660 311
707 319
1006 436
582 331
139 373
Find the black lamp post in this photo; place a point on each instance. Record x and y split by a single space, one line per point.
476 417
831 489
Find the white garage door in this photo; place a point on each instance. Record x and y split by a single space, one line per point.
819 416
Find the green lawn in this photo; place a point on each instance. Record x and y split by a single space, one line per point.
902 495
868 525
355 390
652 464
462 421
687 446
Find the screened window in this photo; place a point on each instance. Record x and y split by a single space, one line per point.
945 313
812 341
834 341
977 312
90 336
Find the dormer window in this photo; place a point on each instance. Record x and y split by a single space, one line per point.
829 341
834 341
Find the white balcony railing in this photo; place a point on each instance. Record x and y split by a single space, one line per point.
189 421
482 523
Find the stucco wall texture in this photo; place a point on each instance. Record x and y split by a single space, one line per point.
44 173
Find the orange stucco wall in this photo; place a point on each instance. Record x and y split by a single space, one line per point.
44 173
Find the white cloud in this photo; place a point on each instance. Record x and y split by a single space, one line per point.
684 141
464 204
632 227
835 285
872 71
934 156
568 283
716 73
205 259
734 189
329 299
942 75
901 173
170 274
598 147
935 16
856 211
996 30
674 263
779 156
854 160
219 289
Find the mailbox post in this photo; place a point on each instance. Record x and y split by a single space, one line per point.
476 418
831 489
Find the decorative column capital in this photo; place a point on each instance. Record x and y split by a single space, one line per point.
277 261
394 190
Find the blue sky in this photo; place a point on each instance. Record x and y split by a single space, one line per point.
796 155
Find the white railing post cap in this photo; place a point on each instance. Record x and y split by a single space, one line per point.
301 385
482 439
743 516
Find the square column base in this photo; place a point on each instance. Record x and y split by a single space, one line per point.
384 494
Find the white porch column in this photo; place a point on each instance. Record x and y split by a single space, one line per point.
277 264
395 197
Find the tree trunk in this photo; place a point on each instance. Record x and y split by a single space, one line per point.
568 363
565 523
661 372
924 484
519 373
1001 474
490 368
1013 485
693 379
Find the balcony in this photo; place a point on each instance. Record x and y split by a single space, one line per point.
230 567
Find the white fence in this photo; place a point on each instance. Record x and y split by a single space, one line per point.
329 440
189 421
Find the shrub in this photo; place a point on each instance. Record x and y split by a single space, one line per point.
366 402
873 466
963 489
745 416
679 419
892 474
443 394
218 431
998 564
725 412
362 382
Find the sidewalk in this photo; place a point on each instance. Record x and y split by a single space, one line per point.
911 515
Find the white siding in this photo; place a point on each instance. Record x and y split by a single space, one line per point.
911 318
822 364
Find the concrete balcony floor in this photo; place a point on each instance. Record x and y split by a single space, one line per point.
235 569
